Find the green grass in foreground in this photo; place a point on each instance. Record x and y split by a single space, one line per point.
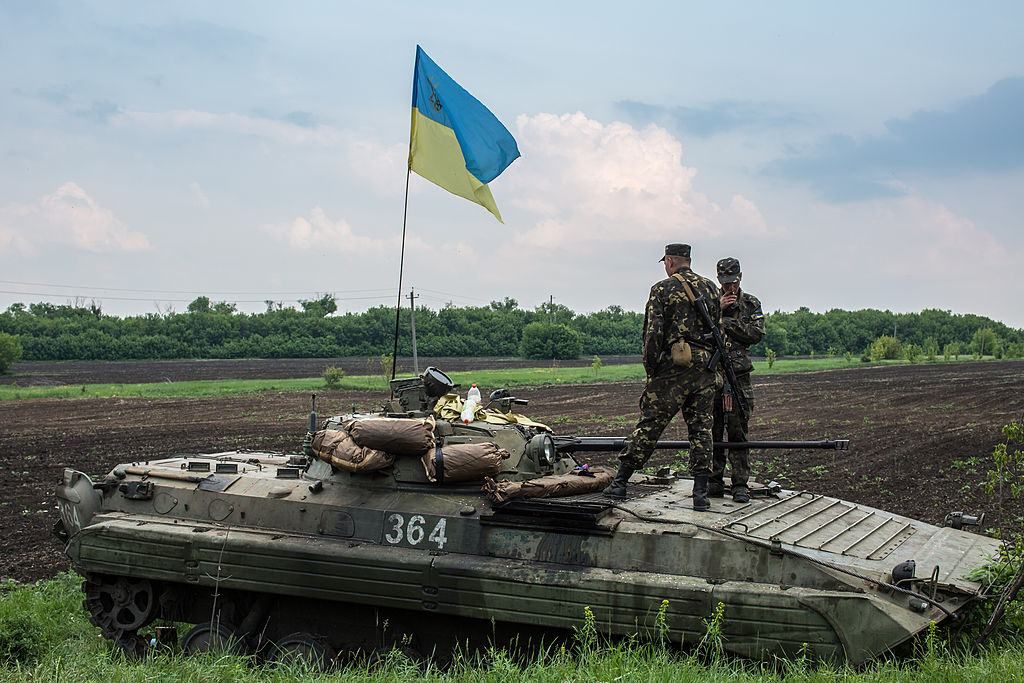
45 636
513 377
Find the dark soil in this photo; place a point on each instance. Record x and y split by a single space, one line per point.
921 438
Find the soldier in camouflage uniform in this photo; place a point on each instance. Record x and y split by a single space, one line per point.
743 323
675 354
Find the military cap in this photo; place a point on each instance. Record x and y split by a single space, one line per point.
729 271
682 250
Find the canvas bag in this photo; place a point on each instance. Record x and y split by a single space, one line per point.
397 436
451 463
337 447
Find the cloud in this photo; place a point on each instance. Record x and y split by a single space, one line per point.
62 97
717 117
190 38
589 182
67 216
937 237
980 133
240 124
100 111
199 197
320 233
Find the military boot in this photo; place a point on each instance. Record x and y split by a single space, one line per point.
740 494
617 489
716 489
700 493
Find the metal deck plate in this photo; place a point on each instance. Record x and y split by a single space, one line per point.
822 523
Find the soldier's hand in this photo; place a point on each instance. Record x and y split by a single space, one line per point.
727 300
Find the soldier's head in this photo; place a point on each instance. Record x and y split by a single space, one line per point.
676 256
729 275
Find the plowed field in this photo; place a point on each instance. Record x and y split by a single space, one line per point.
921 438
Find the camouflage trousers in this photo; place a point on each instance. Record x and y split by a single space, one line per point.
736 427
691 391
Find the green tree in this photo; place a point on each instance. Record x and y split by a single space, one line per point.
225 308
321 307
886 348
984 342
912 352
930 348
10 351
769 355
595 364
1007 474
201 304
387 365
547 340
333 376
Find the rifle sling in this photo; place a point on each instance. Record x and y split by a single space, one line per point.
686 287
693 300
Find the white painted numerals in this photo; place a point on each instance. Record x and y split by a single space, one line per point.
437 535
395 536
69 516
412 533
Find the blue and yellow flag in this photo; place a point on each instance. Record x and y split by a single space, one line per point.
456 142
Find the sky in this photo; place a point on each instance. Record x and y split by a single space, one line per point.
856 155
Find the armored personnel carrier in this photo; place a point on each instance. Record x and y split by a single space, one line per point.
308 555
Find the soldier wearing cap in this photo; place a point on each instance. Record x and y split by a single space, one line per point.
743 323
675 354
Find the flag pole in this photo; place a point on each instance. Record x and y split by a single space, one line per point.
401 267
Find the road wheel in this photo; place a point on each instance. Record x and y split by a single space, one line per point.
304 648
217 637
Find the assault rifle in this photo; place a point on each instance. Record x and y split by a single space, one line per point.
721 357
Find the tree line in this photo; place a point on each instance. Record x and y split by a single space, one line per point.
206 329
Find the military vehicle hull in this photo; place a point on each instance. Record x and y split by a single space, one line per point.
338 562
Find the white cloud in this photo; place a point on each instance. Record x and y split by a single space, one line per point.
69 215
585 181
319 232
261 127
903 254
380 165
199 197
377 164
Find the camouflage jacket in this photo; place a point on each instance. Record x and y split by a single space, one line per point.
744 326
670 317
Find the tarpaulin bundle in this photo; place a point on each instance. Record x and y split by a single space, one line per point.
551 486
336 446
397 436
446 464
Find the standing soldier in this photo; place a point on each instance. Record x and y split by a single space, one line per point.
676 351
743 322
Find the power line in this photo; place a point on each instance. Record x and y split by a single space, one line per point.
183 301
180 291
457 296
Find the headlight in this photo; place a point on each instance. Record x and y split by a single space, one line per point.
541 450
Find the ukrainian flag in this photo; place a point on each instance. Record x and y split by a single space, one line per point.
456 142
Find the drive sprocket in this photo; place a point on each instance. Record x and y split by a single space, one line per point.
119 606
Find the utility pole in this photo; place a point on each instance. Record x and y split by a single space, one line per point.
412 319
551 308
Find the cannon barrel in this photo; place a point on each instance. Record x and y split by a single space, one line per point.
594 444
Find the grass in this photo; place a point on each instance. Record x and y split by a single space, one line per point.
513 377
45 636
